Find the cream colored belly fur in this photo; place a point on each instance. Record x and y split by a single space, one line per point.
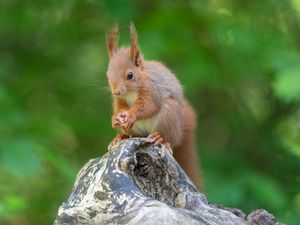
141 127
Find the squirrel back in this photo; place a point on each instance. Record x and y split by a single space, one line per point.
162 81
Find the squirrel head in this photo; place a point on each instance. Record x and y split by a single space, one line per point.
125 71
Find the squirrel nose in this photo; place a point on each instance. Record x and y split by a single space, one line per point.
117 93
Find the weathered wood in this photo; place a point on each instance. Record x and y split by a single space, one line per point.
140 183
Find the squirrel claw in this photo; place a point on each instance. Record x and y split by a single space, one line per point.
154 136
157 139
118 119
129 120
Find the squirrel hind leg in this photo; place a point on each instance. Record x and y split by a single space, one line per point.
158 139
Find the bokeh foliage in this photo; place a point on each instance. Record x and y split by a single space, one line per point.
238 62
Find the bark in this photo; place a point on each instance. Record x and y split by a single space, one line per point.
140 183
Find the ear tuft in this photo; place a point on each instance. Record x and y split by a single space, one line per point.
135 55
112 39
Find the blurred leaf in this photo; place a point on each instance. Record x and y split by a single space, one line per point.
287 83
11 205
62 165
267 191
19 157
289 133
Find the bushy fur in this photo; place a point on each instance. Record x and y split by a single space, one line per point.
152 101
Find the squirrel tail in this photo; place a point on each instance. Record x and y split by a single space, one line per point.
186 155
186 152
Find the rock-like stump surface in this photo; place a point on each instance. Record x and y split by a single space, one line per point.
140 183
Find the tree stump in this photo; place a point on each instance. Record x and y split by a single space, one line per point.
137 183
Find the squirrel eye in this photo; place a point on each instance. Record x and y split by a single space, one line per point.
129 75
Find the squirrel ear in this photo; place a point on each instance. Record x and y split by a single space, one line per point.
112 38
135 54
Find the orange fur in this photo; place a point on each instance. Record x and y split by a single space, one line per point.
120 105
151 101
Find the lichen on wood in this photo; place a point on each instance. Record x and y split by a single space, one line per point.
138 182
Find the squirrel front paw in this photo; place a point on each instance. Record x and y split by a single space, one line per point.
118 119
123 120
129 120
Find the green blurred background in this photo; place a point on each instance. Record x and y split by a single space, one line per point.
239 63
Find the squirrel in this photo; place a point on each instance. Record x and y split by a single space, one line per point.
148 101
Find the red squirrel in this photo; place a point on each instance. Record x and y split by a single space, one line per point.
148 101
